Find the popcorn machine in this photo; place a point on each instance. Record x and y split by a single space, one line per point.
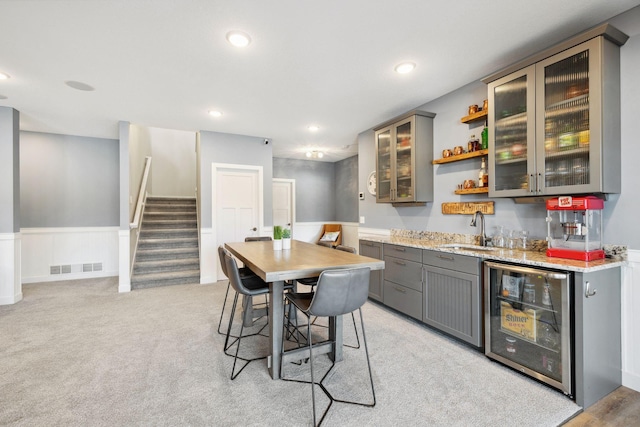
574 228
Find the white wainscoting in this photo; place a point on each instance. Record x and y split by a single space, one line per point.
46 247
630 321
10 284
208 257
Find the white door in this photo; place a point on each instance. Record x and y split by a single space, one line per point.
237 208
284 202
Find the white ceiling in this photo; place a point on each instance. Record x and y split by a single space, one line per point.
165 63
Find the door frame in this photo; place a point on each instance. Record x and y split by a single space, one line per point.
215 168
292 199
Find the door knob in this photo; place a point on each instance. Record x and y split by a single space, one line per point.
254 229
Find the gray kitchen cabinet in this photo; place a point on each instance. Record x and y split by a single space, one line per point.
554 120
598 365
453 295
404 152
402 288
373 250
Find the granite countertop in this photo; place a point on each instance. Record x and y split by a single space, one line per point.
536 257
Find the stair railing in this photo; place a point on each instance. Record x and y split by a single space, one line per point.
142 198
142 195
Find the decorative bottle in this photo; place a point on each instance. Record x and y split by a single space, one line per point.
485 137
482 174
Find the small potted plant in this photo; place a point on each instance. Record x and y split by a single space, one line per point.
286 238
277 238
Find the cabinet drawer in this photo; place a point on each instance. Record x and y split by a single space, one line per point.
403 272
463 263
404 252
403 299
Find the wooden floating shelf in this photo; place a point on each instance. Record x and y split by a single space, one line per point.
480 115
481 190
459 157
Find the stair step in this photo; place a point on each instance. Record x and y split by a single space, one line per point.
156 224
152 243
166 253
170 208
158 266
169 233
153 216
165 200
141 281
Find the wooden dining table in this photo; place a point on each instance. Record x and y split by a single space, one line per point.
302 260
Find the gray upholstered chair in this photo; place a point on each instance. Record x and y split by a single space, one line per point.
244 272
312 281
248 286
257 239
338 292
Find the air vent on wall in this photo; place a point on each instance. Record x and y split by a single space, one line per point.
75 268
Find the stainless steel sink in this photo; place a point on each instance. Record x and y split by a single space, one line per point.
465 246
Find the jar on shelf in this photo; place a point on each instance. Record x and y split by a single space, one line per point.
474 144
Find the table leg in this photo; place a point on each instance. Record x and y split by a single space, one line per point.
276 321
336 334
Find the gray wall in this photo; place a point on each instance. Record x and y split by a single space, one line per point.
315 187
620 210
216 147
346 190
9 170
68 181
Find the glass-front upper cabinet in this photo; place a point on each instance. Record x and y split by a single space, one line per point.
383 162
569 106
513 153
404 151
555 124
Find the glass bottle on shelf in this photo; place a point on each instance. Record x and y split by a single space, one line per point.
485 137
482 175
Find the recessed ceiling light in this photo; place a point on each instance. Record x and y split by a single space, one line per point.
215 113
238 38
313 128
79 85
4 76
405 67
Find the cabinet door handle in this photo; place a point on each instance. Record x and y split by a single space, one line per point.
448 258
400 263
539 183
400 289
587 292
400 249
532 187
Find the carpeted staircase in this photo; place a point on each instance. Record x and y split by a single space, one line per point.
168 244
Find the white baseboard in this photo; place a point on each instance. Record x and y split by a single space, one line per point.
70 276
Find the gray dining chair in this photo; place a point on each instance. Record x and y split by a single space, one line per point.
337 293
244 272
248 286
312 281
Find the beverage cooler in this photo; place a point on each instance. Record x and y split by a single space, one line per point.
528 321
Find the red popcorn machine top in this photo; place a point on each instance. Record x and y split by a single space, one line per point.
574 228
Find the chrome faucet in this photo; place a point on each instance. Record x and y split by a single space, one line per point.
483 238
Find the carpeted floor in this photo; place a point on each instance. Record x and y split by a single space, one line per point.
77 353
